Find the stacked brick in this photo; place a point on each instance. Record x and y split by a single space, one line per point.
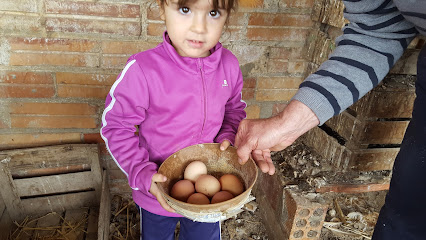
58 60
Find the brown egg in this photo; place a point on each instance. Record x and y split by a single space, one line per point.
232 184
198 198
194 170
182 190
222 196
207 184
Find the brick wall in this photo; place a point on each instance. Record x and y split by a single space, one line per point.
58 60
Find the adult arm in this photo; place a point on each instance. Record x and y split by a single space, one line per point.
371 43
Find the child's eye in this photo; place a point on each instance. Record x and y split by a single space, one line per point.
214 13
184 10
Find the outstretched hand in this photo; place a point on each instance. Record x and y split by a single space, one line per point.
259 137
156 192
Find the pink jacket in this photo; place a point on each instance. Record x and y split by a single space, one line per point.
176 102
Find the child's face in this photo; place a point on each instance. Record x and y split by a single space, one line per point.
193 29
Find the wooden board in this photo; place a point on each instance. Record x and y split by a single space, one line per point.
59 203
52 178
71 182
49 160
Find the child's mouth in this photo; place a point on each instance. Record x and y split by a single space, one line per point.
195 43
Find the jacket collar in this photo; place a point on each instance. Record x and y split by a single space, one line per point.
193 65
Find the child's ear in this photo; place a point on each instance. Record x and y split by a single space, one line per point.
161 10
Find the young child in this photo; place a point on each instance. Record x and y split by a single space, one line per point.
185 91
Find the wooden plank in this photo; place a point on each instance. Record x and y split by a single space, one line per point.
36 161
374 159
384 132
72 182
5 225
104 209
92 224
9 191
96 172
353 188
76 219
59 203
391 104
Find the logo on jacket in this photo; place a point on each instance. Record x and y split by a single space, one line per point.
225 83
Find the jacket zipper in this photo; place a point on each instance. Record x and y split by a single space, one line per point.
200 64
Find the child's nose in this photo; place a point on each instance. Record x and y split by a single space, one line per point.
199 24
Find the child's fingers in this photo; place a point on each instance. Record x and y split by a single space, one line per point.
164 204
157 177
224 145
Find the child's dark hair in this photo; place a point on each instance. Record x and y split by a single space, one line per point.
228 5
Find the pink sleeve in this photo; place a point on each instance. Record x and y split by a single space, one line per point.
234 112
125 107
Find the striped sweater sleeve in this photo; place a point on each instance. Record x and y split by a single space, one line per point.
371 43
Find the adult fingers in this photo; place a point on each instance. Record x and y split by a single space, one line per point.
268 160
258 157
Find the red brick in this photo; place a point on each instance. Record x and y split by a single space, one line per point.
297 67
54 59
296 4
237 19
49 44
253 111
233 34
52 108
153 13
155 29
123 47
279 82
275 94
20 24
19 6
86 78
93 9
277 66
248 94
276 34
286 53
3 124
22 91
26 77
251 4
52 122
82 91
280 19
249 83
117 62
123 28
277 108
19 140
92 138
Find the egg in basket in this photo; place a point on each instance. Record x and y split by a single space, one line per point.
219 164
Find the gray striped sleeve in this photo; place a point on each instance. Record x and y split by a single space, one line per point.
371 44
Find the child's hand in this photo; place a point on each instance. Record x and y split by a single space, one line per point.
156 192
224 145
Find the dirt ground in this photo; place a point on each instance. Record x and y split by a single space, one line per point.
298 166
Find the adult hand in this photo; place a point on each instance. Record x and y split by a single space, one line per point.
156 192
259 137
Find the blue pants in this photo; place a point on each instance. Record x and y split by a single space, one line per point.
156 227
403 215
